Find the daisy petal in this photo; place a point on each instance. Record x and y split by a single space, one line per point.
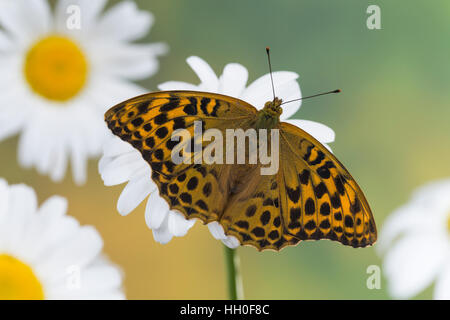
217 230
318 130
231 242
11 126
178 224
107 91
233 79
78 161
442 287
19 211
122 168
156 210
134 193
78 251
59 168
5 42
89 11
25 19
286 88
134 23
162 234
205 73
135 62
177 85
412 263
115 146
53 206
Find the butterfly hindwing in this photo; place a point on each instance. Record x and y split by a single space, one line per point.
331 204
254 215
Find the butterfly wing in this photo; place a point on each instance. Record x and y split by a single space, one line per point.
311 197
147 122
322 193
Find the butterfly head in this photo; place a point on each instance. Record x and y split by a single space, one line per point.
269 116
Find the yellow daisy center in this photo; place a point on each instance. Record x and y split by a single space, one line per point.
56 68
18 281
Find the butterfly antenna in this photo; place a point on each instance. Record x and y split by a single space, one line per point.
316 95
270 70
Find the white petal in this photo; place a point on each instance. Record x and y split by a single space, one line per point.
115 146
78 161
131 61
96 282
134 23
205 73
122 168
217 230
318 130
101 278
231 242
89 12
134 193
442 287
28 144
10 124
79 251
218 233
59 167
406 219
162 234
434 197
177 85
178 224
286 88
233 80
156 210
55 230
25 19
54 206
413 263
106 91
22 205
5 42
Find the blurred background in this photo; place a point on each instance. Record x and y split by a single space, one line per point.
391 124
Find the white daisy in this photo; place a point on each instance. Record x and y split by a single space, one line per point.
61 70
45 254
415 242
122 163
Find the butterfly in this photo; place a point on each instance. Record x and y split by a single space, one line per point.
312 196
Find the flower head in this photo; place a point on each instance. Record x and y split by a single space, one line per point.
61 70
415 243
122 163
45 254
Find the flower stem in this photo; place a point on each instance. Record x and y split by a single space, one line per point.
235 287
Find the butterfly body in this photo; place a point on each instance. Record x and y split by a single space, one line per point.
269 116
311 196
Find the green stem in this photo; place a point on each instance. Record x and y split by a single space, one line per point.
235 287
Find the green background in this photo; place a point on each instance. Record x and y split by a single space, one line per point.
391 123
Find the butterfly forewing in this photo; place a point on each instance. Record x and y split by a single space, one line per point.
148 122
312 196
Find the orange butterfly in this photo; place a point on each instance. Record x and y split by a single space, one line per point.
311 197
